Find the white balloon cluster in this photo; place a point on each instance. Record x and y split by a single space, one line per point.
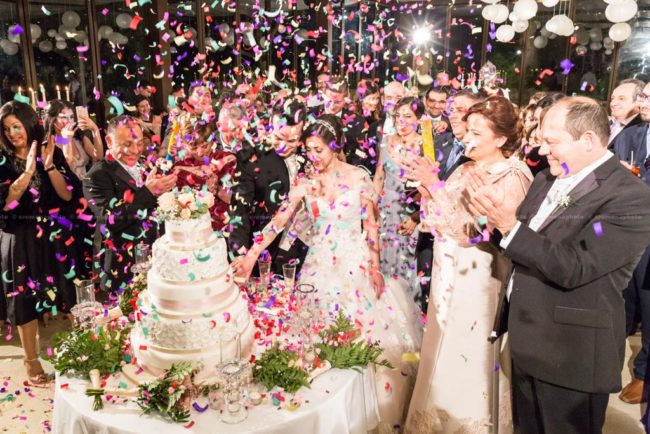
9 47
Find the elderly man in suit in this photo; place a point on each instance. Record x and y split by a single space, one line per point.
625 107
574 242
263 178
122 198
633 150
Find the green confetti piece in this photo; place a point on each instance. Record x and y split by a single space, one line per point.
54 311
145 331
122 385
70 274
54 234
127 358
112 202
191 276
5 278
115 102
21 98
128 237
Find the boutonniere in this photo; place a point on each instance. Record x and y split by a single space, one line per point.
564 201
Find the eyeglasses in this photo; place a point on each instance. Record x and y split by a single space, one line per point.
68 117
643 98
437 101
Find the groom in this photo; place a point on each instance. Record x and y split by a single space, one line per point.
574 242
263 178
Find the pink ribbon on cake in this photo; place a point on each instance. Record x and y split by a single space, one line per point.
189 306
183 237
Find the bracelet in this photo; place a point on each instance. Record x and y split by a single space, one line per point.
51 168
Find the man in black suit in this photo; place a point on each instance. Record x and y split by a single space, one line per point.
263 178
632 143
449 151
574 242
122 198
625 107
435 101
357 149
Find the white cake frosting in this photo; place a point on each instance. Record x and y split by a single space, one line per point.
192 310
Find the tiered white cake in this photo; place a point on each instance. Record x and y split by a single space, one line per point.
192 310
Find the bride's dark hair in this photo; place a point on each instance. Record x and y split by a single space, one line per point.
329 129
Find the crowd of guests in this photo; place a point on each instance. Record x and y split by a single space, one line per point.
77 198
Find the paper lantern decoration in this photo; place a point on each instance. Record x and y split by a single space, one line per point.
488 13
45 46
620 32
36 31
501 13
564 25
581 50
13 36
80 36
70 19
491 2
595 46
550 3
596 34
123 21
513 17
66 32
608 43
621 12
525 9
52 33
520 26
505 33
61 45
552 25
540 42
582 37
104 31
10 48
608 52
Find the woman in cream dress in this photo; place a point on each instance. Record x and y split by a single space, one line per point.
455 389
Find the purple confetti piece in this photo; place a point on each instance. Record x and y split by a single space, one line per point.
566 66
198 408
598 229
17 30
565 167
269 304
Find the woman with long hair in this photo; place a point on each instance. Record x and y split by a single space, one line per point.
33 182
343 260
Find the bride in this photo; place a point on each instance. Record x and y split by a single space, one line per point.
343 260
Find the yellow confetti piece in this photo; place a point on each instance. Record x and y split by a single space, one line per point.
411 357
51 294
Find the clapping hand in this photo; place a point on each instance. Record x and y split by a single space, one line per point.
30 165
407 227
439 127
159 184
424 171
486 199
47 154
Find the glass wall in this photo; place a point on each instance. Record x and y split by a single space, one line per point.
184 43
124 52
506 56
61 49
220 38
12 74
465 40
634 56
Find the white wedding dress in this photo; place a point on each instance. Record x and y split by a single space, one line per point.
337 264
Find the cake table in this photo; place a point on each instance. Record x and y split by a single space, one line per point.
339 401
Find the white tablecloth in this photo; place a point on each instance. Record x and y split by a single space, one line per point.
339 402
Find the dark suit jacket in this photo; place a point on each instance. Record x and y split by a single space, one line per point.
633 139
566 318
123 212
443 143
261 184
636 120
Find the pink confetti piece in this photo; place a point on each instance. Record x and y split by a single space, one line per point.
183 261
13 204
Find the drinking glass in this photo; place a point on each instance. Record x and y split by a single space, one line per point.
85 290
289 274
635 168
264 265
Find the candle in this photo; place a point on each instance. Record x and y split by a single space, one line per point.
58 92
32 94
42 89
67 93
255 398
20 90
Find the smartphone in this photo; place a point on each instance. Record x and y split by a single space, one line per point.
82 112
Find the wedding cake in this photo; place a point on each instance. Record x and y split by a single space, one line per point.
192 309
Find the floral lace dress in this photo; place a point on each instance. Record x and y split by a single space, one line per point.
337 264
460 373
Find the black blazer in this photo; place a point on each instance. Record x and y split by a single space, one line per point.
443 143
123 212
633 139
566 318
636 120
261 184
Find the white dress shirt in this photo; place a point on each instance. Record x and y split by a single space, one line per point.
292 167
135 172
561 187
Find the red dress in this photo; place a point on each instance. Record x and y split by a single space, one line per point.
219 175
